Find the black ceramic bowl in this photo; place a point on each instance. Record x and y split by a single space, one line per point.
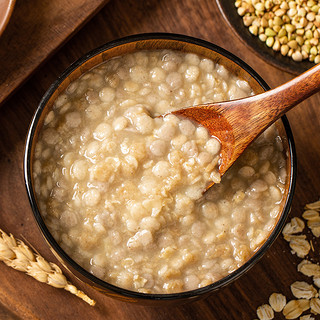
147 42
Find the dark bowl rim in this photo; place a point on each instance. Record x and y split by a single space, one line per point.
124 292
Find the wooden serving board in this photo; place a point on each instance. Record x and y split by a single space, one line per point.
37 28
23 298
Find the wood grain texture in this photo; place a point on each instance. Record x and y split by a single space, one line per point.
27 299
36 30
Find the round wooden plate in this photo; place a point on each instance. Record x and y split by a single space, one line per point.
6 8
276 59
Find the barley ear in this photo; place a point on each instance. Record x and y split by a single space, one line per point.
16 254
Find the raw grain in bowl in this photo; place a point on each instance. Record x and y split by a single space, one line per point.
121 190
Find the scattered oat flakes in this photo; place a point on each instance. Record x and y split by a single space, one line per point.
314 205
304 304
303 290
292 309
314 226
315 305
265 312
306 317
302 263
307 294
316 231
310 215
309 269
300 246
277 301
290 237
316 281
296 225
314 222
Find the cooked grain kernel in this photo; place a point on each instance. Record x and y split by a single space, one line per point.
136 180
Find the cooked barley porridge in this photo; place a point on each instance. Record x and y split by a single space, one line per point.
122 190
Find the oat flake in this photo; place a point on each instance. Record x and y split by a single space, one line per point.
292 310
303 290
300 246
296 225
313 205
309 269
310 215
315 305
277 301
265 312
306 317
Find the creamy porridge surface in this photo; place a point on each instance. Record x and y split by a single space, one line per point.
122 190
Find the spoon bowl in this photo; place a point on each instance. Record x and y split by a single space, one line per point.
237 123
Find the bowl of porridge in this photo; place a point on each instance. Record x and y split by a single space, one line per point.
119 190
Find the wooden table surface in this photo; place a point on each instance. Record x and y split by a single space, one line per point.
21 297
36 30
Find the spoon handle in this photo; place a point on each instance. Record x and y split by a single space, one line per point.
288 95
263 109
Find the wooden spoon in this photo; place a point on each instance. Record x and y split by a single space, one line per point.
237 123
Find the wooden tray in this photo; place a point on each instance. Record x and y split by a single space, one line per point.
36 30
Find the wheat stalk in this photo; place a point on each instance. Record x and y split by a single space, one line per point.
16 254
